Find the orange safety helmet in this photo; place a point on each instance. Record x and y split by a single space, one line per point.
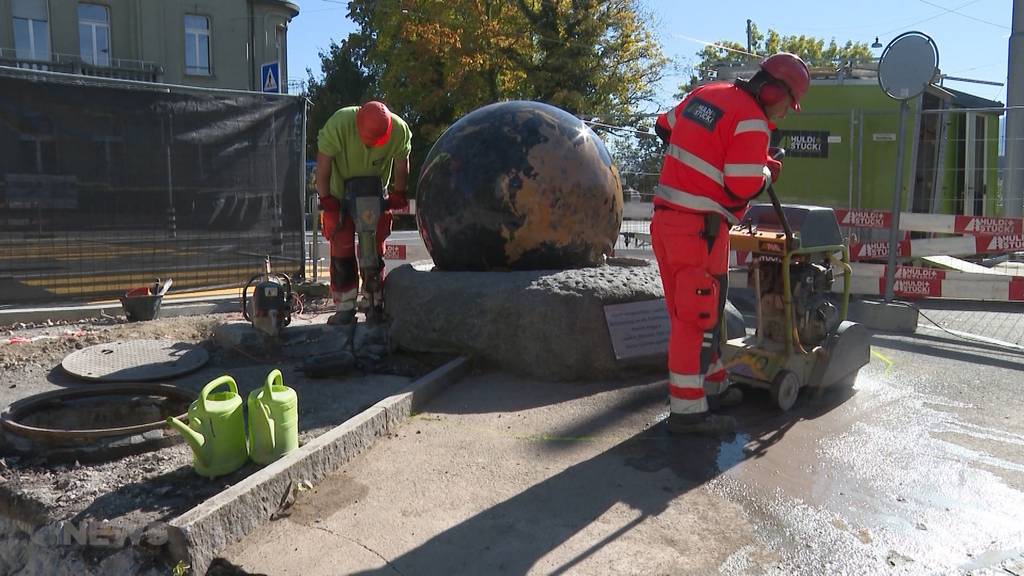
373 122
791 71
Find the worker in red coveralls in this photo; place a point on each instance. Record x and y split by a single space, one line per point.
360 148
717 161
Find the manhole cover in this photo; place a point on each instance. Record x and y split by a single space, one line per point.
94 423
135 361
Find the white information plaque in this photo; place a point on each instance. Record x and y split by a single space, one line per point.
638 329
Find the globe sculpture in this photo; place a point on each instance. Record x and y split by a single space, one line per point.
518 185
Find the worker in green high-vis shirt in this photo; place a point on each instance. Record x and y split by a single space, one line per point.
361 149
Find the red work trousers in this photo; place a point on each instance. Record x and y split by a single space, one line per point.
695 279
340 231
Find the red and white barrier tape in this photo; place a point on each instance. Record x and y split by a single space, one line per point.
952 246
916 282
935 223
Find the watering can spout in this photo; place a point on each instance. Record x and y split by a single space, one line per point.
195 440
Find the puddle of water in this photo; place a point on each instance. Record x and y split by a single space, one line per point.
991 558
732 453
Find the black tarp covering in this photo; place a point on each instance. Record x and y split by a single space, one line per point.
106 185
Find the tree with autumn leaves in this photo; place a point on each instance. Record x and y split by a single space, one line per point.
434 61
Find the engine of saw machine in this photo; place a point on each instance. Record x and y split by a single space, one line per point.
814 314
811 271
271 308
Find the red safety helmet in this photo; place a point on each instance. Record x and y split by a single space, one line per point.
373 122
791 71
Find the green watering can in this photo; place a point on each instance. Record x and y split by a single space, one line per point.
215 430
273 420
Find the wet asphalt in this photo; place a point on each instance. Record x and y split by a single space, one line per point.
918 469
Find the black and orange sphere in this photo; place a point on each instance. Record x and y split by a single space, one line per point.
518 186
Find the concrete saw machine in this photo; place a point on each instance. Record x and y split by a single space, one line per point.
803 338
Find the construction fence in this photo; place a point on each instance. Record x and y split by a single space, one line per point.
107 185
956 251
952 161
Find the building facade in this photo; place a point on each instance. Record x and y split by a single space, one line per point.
205 43
842 146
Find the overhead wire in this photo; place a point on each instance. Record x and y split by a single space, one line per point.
943 13
714 44
968 16
622 128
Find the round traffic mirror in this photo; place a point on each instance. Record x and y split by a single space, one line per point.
908 65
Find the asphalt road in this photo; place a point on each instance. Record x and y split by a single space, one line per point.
919 469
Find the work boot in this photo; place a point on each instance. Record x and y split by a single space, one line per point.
710 425
731 397
375 315
342 318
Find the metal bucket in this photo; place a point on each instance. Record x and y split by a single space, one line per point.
137 308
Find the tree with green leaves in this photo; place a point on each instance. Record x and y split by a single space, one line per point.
813 51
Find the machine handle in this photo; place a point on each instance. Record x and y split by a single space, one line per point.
779 154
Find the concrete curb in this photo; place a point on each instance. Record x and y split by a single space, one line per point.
198 535
888 317
169 309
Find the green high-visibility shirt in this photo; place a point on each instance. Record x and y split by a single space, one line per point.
351 158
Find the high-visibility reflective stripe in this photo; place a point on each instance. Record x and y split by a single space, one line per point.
671 116
697 163
741 170
681 406
694 202
716 367
345 300
686 393
752 126
684 380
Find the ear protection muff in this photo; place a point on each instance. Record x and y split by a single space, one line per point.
771 93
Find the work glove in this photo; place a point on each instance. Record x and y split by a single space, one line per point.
775 167
329 204
397 200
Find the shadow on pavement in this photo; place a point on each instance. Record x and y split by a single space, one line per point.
969 305
486 401
942 348
511 537
954 339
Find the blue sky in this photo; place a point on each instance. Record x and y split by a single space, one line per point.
971 35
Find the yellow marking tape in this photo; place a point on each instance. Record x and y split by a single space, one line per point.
880 356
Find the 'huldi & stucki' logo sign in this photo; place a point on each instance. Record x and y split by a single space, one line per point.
863 218
987 225
1006 244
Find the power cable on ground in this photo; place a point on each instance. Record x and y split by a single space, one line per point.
961 336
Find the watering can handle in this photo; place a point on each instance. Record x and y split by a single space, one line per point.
273 378
215 384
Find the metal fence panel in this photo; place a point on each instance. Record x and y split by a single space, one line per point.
106 185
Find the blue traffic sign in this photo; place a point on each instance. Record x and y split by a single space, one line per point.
270 77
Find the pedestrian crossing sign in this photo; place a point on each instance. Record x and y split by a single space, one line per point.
270 77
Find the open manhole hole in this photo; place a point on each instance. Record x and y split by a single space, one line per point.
95 423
